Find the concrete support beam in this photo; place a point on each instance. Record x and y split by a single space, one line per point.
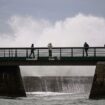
11 84
98 86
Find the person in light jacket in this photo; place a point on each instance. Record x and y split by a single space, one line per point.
50 50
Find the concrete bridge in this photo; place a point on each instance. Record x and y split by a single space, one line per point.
11 58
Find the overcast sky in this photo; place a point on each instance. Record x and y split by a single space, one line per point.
62 22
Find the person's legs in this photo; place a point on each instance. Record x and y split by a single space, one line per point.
86 52
50 53
33 55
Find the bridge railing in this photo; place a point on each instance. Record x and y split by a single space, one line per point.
56 52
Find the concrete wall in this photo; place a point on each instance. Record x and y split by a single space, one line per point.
98 86
11 84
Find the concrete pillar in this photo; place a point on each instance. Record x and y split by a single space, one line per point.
98 86
11 84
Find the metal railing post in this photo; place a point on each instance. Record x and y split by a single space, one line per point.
94 52
38 53
26 53
71 52
9 52
83 51
15 52
60 53
4 52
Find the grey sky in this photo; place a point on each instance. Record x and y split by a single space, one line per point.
51 9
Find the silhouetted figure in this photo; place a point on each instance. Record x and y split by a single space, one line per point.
86 47
50 50
32 51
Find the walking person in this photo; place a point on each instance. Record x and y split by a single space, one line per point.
50 50
86 47
32 51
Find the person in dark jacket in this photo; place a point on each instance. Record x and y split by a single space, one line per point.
32 51
86 47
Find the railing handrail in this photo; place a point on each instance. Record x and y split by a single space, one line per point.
52 47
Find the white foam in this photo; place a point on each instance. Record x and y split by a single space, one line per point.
46 93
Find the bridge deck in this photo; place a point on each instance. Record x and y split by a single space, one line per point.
60 56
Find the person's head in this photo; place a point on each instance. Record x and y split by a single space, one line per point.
50 44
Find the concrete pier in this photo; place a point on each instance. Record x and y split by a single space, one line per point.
11 84
98 86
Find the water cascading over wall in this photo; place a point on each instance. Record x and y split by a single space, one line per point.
58 84
11 84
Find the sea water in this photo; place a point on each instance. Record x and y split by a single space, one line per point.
52 98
